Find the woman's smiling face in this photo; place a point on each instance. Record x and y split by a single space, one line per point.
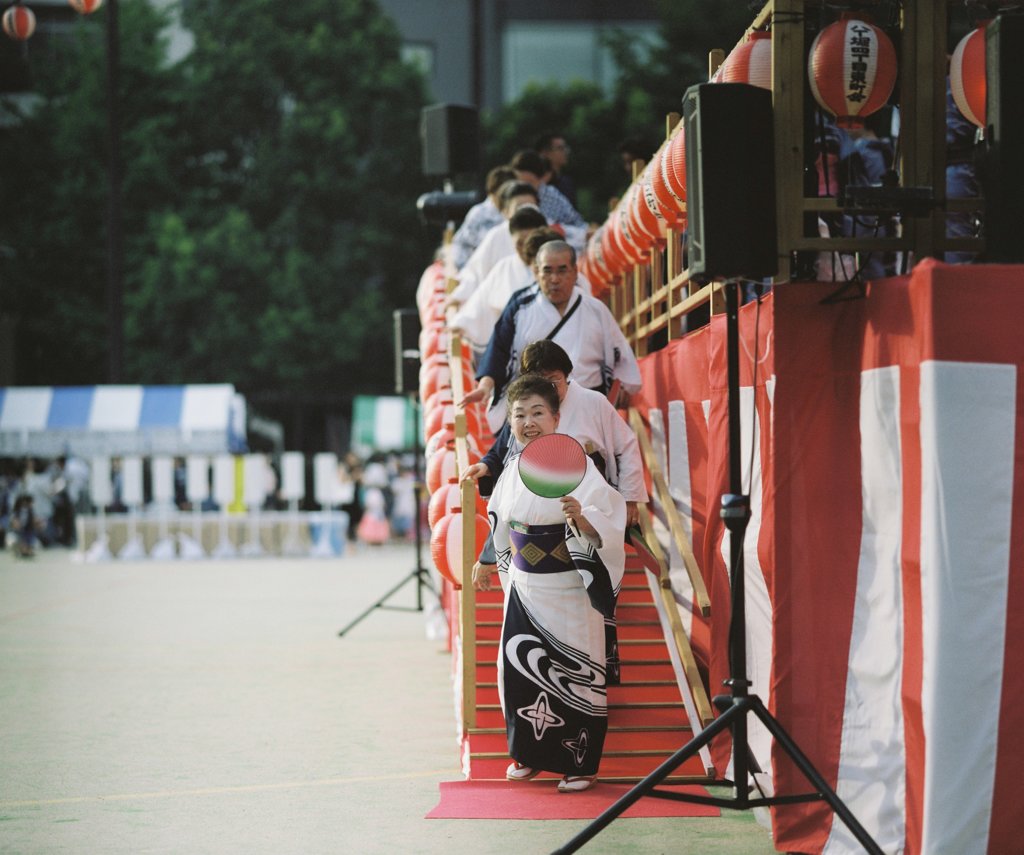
531 417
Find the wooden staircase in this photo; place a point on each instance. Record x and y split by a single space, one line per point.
647 720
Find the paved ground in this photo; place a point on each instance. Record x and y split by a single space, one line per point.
210 708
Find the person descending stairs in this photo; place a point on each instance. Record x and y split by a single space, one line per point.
647 717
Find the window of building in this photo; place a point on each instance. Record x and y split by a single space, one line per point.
559 52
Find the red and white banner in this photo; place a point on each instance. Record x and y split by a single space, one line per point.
884 573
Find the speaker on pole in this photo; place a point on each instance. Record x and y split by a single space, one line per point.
450 134
407 351
1003 180
730 181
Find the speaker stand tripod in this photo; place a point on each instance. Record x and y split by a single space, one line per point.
739 703
419 574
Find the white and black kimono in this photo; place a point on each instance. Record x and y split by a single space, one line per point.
560 588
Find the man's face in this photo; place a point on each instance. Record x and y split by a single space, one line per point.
558 154
556 274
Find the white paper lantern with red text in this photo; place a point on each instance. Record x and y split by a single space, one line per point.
852 70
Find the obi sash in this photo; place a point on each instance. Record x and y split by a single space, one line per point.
539 548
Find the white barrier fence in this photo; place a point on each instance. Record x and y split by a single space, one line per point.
241 526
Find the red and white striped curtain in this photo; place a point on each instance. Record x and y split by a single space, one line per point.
884 556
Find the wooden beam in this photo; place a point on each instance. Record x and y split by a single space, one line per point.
675 524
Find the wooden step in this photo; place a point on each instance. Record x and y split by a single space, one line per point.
495 740
621 766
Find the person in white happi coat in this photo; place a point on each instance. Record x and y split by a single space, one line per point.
481 218
565 561
555 309
476 318
497 244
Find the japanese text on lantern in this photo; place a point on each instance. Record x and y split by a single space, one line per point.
860 50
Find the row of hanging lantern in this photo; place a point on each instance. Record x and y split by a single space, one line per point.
444 512
19 21
851 70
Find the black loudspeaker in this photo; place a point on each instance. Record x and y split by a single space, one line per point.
1003 175
407 351
730 181
450 134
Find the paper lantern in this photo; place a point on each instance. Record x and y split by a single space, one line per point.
613 258
440 398
441 467
967 76
669 204
646 221
446 544
85 7
675 167
750 62
852 70
19 23
446 499
650 209
631 231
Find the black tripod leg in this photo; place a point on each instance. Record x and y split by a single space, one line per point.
814 777
723 722
380 603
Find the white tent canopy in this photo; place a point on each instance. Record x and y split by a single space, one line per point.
47 421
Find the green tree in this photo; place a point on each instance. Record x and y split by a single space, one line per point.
270 180
650 84
299 218
53 182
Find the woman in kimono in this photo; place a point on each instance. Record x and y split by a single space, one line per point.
564 559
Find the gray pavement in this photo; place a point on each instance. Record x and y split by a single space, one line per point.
209 707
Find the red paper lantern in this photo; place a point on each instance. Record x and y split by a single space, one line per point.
647 222
446 544
675 167
440 398
750 62
85 7
441 467
613 257
852 70
630 224
668 203
649 208
447 499
19 23
967 76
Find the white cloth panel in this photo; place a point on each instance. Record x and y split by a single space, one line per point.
968 423
162 469
131 481
293 475
224 479
325 477
872 756
197 478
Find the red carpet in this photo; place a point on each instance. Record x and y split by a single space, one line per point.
540 800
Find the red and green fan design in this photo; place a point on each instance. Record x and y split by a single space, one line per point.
552 465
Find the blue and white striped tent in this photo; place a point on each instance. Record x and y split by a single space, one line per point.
46 421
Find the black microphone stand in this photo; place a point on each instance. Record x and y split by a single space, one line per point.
419 573
736 705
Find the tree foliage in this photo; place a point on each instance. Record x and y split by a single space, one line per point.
270 180
650 84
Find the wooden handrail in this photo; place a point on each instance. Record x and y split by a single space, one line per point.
678 632
469 547
675 524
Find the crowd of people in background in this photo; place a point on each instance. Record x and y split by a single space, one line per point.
40 499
